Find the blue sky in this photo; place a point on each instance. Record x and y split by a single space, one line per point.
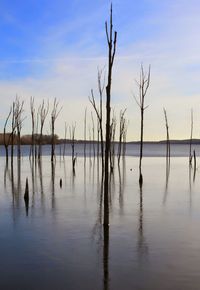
52 49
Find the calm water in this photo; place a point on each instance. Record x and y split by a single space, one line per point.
58 242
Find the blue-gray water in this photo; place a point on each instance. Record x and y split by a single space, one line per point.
149 150
58 242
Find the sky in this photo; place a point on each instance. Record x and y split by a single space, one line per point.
52 49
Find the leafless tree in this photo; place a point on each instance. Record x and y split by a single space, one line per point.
93 136
124 136
111 40
143 86
42 114
32 107
191 134
54 114
167 138
99 110
6 138
122 127
112 144
18 122
65 136
72 137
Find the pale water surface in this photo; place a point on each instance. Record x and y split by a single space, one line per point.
58 242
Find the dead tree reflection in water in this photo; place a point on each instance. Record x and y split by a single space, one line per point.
53 185
106 258
166 183
40 172
33 177
190 186
121 188
142 244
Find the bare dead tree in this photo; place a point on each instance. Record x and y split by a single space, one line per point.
111 55
65 136
72 130
6 138
143 86
112 138
54 114
191 135
124 136
99 110
93 136
122 127
42 114
12 135
167 138
18 122
32 108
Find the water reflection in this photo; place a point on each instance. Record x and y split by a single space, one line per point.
53 185
142 244
106 258
166 183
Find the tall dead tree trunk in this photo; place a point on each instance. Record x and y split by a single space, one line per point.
167 139
33 127
54 114
18 121
65 140
111 55
93 136
122 124
112 145
12 134
143 86
72 137
191 134
6 138
42 114
99 111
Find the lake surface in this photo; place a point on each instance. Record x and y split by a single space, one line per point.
57 241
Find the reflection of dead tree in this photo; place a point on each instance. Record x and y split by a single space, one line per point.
6 139
111 56
42 114
122 128
167 141
99 111
143 86
191 133
72 137
54 114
